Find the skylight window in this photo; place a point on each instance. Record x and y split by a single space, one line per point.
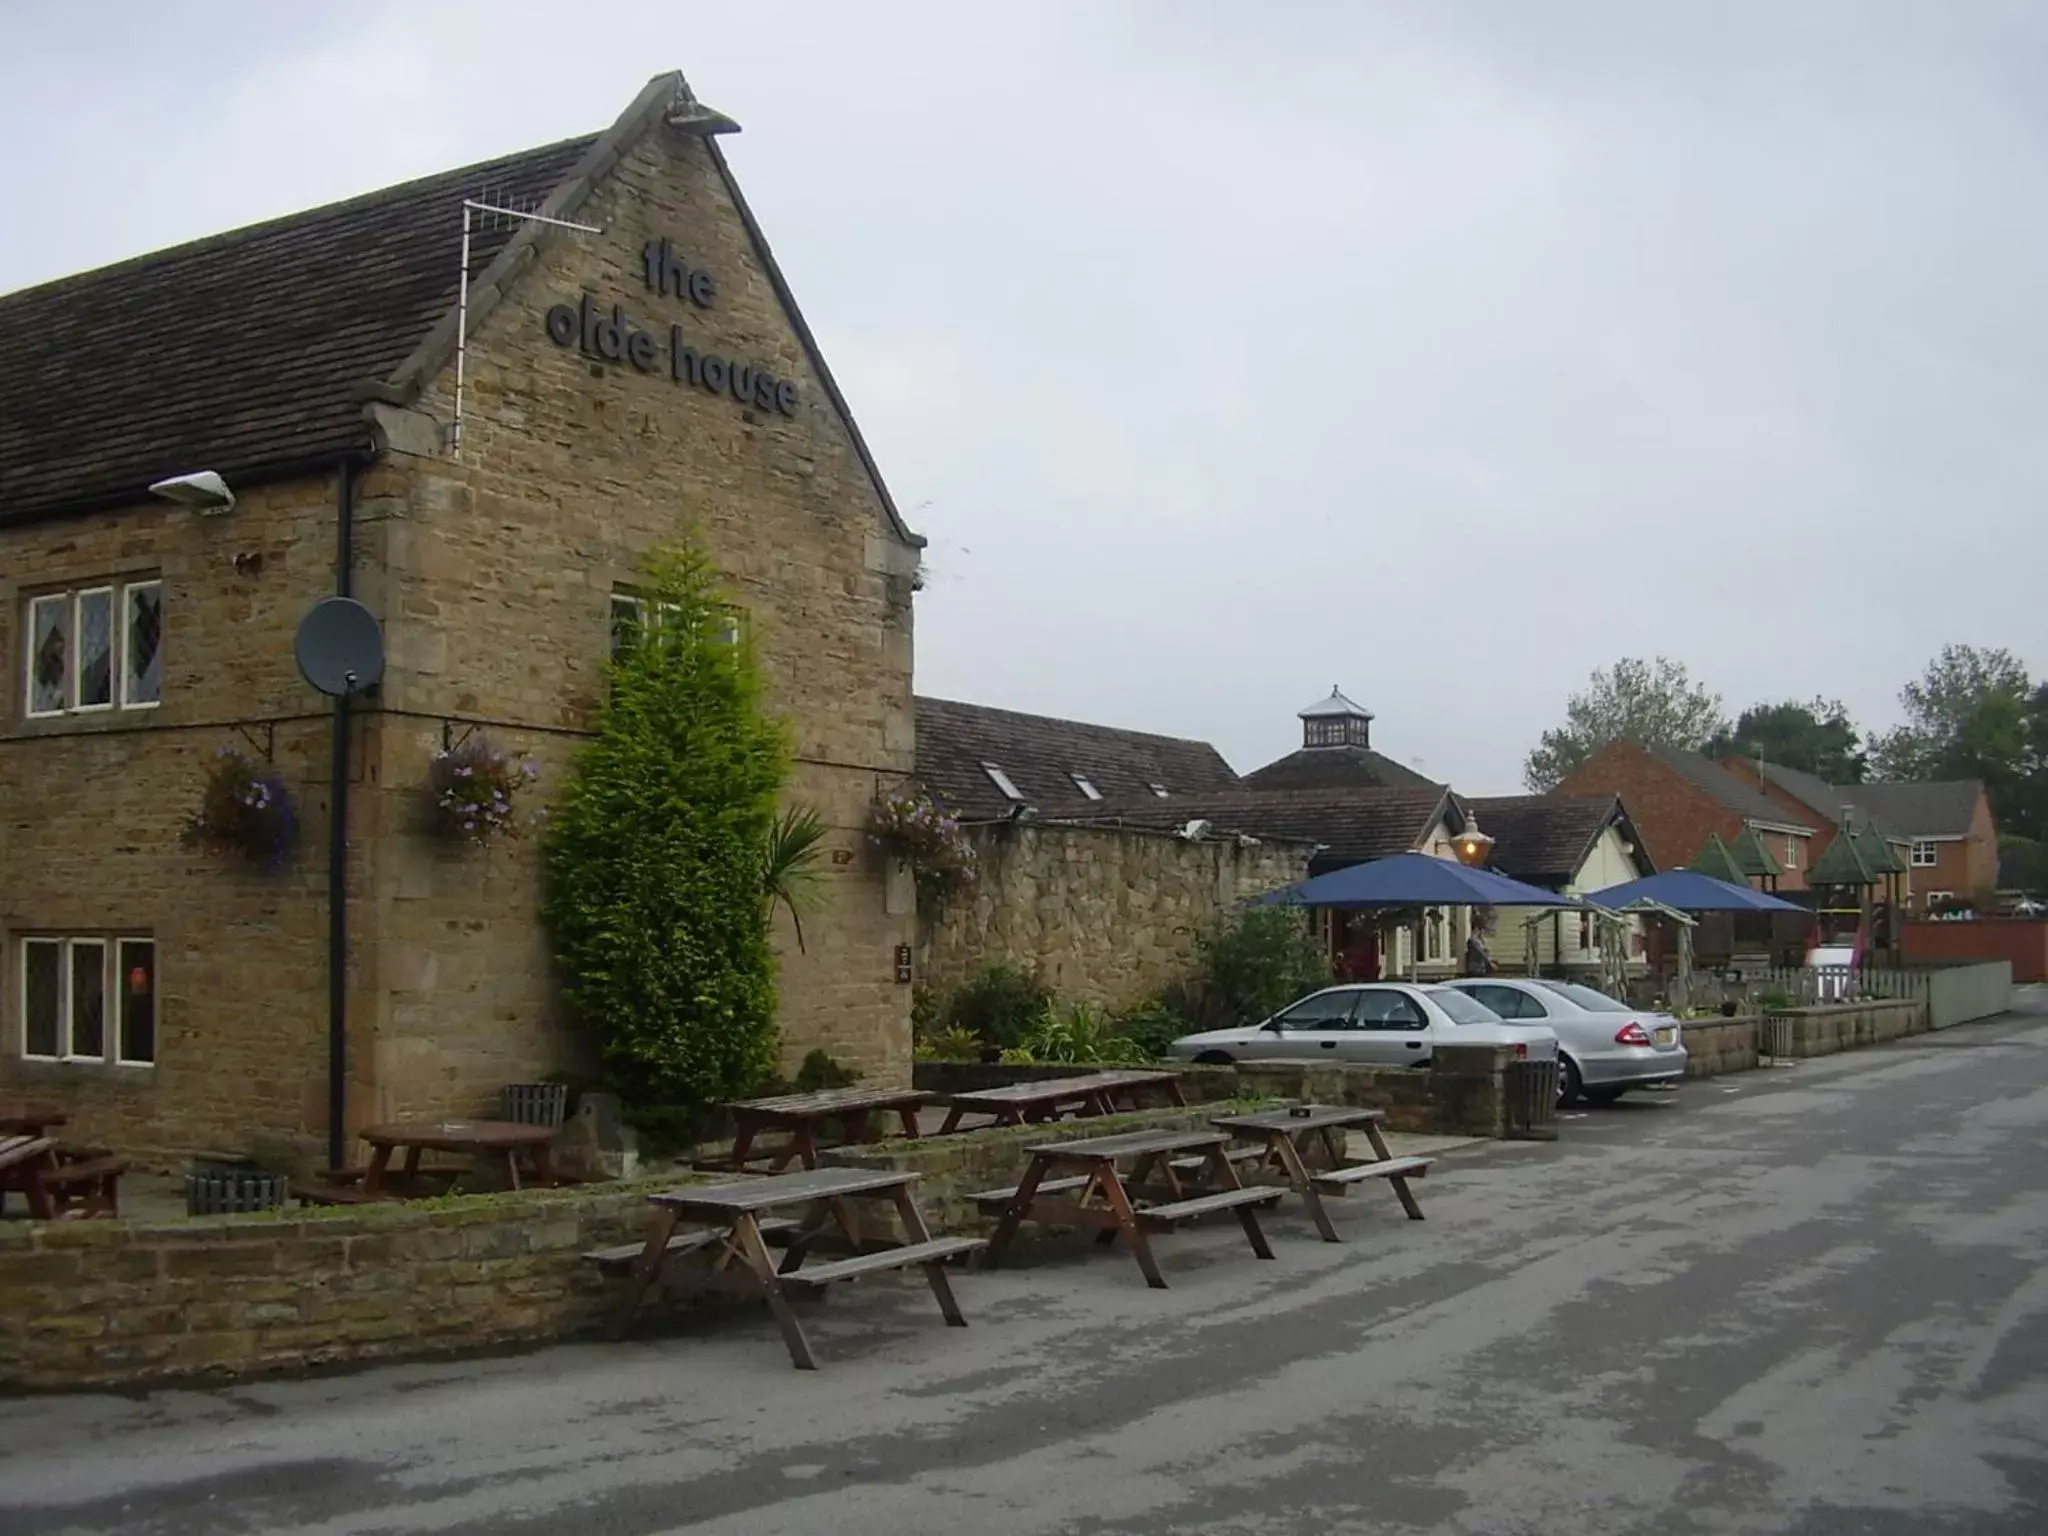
1001 780
1082 784
1158 789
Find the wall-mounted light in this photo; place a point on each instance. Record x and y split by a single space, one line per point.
1472 846
202 489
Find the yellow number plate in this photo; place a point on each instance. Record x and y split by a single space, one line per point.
1666 1034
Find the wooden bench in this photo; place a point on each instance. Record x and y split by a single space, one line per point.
312 1192
1397 1171
1195 1165
931 1253
1243 1202
88 1176
26 1163
993 1202
619 1261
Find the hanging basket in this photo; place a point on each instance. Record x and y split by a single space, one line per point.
473 791
245 810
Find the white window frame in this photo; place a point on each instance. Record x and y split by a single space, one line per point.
1933 896
1003 782
1159 789
1931 848
63 995
1791 851
71 603
125 682
78 598
111 947
28 670
1086 785
116 1041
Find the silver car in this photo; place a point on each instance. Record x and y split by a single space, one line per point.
1375 1024
1606 1047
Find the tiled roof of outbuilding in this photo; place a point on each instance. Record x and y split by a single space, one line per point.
1346 767
1353 825
1040 754
1543 838
240 353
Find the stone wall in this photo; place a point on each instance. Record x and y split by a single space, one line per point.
1715 1046
1832 1027
1104 915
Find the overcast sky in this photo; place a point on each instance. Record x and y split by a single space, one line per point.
1226 352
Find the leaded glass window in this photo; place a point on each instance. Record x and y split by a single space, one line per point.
143 645
49 655
88 998
95 619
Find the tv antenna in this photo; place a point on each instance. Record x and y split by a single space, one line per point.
495 212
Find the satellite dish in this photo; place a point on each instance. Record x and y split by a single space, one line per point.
340 648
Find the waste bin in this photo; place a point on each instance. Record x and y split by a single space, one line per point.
1532 1100
221 1189
537 1103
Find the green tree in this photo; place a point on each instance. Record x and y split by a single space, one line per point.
1653 703
1818 738
1975 714
659 858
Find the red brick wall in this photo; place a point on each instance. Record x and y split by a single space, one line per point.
1673 815
2022 940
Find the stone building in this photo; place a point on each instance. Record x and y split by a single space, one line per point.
491 508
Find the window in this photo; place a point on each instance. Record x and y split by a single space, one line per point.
1001 780
1934 896
633 615
1326 1010
1791 851
1388 1010
1433 928
1508 1002
1926 854
1158 789
1082 783
1585 997
66 985
1461 1009
98 648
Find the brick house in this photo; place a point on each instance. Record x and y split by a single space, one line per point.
1677 799
1943 830
616 387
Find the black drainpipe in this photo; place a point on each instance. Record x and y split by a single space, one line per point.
337 853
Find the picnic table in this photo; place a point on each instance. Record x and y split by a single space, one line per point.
1032 1103
730 1253
1099 1196
802 1115
26 1164
1291 1138
487 1141
31 1121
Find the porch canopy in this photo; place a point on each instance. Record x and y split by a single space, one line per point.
1413 880
1690 891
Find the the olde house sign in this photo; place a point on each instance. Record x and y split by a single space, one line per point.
615 339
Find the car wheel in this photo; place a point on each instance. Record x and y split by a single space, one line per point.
1569 1083
1212 1059
1603 1095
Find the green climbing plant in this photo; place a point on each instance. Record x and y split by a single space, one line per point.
661 857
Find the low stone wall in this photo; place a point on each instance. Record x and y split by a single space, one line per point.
1715 1046
1462 1093
95 1303
1830 1027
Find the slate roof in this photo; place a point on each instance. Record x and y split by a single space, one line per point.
1040 753
1544 839
1725 788
1352 825
1348 767
1809 789
1939 808
238 353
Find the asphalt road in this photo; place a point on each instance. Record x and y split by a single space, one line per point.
1808 1300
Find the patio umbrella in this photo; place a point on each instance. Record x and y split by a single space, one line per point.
1690 891
1413 880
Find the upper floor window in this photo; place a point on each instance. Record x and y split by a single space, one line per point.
1926 854
1002 781
1791 851
1086 785
1158 789
95 648
633 615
